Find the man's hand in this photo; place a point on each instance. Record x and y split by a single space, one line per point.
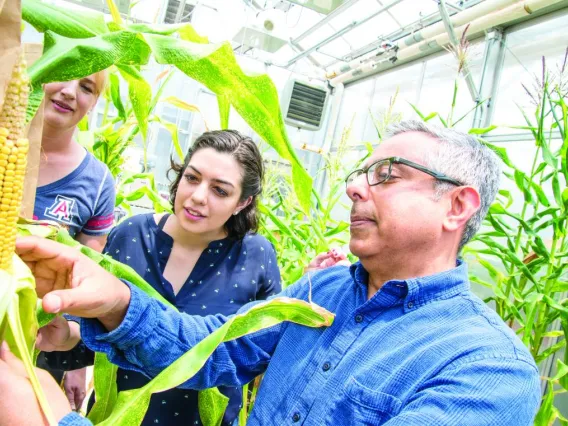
325 260
69 281
75 386
18 404
58 335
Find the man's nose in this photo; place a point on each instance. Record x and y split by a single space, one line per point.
358 188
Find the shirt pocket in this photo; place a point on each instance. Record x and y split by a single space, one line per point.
361 405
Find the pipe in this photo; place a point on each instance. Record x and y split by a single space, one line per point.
341 32
425 22
481 22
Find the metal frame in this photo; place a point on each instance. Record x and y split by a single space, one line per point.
339 33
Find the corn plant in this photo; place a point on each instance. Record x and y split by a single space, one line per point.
298 236
18 324
79 44
524 253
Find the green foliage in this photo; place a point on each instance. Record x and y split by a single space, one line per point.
76 46
523 254
129 407
298 237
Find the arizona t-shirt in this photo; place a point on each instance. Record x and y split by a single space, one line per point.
82 201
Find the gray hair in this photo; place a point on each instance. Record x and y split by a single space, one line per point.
463 157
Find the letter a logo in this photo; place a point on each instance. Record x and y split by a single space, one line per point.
61 210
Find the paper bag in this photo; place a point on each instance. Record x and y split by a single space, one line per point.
10 48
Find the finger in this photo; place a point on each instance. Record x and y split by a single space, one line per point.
82 301
70 394
79 398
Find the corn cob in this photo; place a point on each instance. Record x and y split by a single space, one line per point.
13 157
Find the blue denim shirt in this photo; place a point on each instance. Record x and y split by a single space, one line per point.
422 351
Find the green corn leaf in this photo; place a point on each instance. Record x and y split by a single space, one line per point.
556 191
19 323
106 391
500 151
114 12
72 23
531 304
131 405
550 351
212 405
521 181
417 111
482 131
561 370
140 94
545 413
172 128
224 110
254 97
115 96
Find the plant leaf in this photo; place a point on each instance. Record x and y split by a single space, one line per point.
211 405
254 97
72 23
132 404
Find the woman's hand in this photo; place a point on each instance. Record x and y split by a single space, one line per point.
58 335
18 404
325 260
75 386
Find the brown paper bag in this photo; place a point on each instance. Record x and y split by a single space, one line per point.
33 52
10 48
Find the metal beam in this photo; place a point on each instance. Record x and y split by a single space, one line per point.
398 34
328 18
493 58
341 32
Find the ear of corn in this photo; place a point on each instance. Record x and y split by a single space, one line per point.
13 156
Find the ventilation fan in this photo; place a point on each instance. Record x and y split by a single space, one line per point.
303 104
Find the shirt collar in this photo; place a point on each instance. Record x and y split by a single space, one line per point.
413 292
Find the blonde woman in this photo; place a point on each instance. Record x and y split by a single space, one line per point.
74 188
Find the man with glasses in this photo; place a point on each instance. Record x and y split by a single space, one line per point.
410 344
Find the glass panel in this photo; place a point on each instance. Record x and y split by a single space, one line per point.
523 65
438 87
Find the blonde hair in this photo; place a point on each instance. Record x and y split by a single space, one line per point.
101 79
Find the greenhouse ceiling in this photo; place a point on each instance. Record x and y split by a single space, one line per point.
320 38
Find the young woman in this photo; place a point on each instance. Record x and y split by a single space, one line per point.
74 188
204 259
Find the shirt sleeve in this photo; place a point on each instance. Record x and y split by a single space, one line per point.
152 336
103 217
74 419
270 282
477 393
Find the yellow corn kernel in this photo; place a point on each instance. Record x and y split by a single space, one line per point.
13 154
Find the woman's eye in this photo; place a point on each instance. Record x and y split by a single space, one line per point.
86 88
221 192
190 178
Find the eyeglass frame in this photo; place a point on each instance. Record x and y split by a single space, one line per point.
399 160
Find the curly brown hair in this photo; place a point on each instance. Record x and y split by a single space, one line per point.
245 151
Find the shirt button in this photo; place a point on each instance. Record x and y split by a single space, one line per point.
326 366
359 318
410 305
296 417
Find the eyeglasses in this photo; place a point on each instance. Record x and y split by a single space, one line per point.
380 171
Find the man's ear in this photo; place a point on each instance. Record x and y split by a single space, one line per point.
464 202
